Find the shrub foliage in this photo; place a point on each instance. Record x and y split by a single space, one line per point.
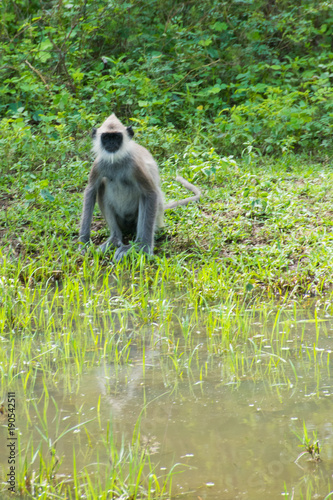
253 72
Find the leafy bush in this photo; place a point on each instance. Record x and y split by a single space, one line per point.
234 72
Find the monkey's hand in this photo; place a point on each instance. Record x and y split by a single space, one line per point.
124 249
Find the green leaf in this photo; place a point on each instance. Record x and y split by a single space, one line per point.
205 42
220 26
46 195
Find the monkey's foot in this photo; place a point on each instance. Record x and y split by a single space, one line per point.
121 252
111 242
124 249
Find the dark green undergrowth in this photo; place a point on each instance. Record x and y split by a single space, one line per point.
229 72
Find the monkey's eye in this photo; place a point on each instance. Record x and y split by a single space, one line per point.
93 133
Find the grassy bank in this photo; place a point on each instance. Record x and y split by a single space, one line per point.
262 226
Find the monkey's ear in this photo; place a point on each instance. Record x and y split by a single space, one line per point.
93 133
130 131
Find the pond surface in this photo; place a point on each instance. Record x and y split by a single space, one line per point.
230 441
231 437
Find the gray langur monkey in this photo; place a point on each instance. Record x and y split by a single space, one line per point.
125 181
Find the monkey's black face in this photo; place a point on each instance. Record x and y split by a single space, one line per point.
111 142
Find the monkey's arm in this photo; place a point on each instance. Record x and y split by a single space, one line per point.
146 220
145 225
87 213
185 201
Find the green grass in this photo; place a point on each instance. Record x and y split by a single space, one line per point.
262 226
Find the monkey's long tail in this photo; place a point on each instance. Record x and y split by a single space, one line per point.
185 201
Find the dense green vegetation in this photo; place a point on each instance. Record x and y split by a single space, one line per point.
236 72
236 96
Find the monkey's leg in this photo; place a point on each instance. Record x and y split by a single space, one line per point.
145 226
115 239
87 213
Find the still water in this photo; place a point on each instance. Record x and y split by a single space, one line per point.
230 441
227 437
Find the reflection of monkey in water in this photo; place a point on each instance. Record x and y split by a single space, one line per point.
125 180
